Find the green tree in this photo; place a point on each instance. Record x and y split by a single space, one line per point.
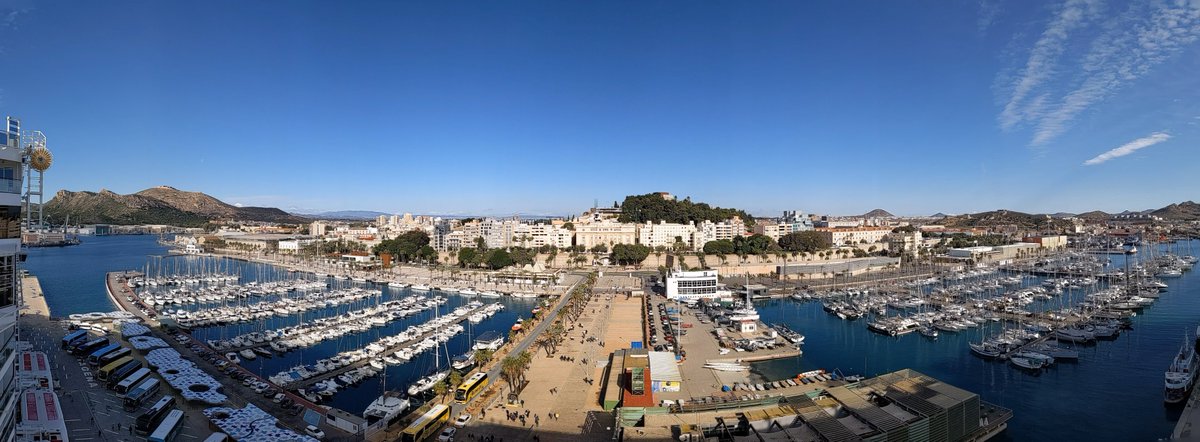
569 226
456 378
600 248
756 244
467 256
807 241
498 259
482 357
440 389
719 247
405 247
630 254
653 207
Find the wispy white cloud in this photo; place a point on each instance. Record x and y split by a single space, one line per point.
1043 58
988 11
1124 49
1128 148
1122 56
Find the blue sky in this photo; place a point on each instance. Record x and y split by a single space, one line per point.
543 107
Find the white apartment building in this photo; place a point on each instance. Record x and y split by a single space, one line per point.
709 231
293 245
772 229
607 233
854 235
666 234
694 286
538 235
10 287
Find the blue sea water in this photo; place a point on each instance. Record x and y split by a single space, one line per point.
73 280
1113 393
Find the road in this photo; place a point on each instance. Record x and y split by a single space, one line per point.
525 342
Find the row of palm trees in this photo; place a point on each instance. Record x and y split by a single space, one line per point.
513 367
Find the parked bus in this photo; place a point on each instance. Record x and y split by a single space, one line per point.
168 428
94 357
471 387
114 355
126 385
143 391
88 347
107 369
72 337
427 425
122 372
150 419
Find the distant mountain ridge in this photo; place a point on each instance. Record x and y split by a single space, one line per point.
878 213
1185 211
157 205
1007 217
344 214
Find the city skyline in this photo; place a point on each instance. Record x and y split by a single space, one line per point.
542 109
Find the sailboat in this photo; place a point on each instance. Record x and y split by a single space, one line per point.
425 383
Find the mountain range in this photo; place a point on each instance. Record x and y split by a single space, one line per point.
157 205
343 214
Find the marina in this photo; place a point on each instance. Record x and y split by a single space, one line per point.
829 343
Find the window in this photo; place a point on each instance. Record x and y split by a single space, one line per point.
10 220
7 288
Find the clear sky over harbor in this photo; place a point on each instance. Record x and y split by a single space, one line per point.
543 107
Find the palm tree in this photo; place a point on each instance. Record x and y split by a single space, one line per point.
513 369
482 357
440 389
544 342
510 370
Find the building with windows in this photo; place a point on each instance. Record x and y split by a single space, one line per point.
666 234
608 233
709 231
694 285
10 248
854 235
792 221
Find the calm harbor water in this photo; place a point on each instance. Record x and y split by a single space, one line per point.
73 280
1114 392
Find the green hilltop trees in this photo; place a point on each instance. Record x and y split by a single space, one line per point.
652 207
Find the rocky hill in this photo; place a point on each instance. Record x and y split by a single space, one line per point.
159 205
878 213
1185 211
1094 215
1007 217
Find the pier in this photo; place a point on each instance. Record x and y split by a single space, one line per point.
297 385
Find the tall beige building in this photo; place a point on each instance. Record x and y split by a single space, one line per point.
607 233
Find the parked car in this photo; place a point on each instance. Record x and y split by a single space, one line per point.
313 431
447 434
462 420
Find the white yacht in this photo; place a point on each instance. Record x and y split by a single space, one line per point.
489 341
386 407
1181 375
427 382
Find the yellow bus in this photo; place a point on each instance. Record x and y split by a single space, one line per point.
427 425
471 387
112 366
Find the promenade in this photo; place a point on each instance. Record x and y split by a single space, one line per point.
32 297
